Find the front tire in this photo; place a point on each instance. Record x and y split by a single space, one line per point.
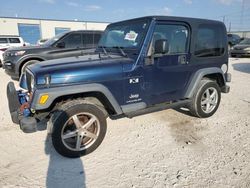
206 100
78 128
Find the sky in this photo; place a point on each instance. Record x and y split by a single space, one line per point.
234 15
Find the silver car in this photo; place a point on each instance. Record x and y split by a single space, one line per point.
242 49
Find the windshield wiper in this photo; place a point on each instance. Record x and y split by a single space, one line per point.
104 50
121 50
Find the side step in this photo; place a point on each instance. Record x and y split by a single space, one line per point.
156 108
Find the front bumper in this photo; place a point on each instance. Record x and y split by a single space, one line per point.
240 53
228 77
9 64
226 88
14 104
27 123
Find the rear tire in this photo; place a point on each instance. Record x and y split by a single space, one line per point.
206 99
78 128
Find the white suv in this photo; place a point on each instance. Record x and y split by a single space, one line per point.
7 42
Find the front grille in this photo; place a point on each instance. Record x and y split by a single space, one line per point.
238 48
7 64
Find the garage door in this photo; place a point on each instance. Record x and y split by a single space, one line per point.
29 32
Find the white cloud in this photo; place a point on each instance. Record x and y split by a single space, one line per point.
72 4
188 1
225 2
48 1
92 8
158 11
166 11
228 2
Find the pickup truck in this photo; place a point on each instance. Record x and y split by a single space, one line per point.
140 66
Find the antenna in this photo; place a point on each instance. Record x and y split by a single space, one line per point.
242 13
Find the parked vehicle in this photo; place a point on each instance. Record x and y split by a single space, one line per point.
141 66
10 41
7 42
233 39
67 44
1 57
242 49
41 41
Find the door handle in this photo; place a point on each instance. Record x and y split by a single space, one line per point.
182 59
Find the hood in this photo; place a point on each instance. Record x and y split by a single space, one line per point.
89 68
241 46
26 48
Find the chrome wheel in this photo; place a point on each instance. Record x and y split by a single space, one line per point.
80 131
209 100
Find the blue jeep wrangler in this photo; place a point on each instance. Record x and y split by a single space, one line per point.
140 66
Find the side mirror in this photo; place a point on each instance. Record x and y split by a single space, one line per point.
60 45
161 46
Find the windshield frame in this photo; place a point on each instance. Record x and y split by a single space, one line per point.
122 24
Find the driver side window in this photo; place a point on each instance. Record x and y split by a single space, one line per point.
175 35
72 41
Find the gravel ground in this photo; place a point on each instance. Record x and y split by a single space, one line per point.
163 149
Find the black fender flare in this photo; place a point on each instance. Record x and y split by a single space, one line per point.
197 76
56 92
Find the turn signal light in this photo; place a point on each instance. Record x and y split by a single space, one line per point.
43 99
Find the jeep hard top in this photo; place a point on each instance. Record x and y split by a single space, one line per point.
140 66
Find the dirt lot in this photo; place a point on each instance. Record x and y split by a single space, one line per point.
164 149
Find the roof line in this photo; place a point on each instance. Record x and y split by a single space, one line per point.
47 19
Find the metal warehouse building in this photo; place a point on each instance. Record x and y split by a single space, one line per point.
244 34
31 30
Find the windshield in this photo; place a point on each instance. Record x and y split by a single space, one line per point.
54 39
245 41
124 35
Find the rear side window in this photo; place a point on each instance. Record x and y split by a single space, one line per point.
3 40
88 40
209 41
14 40
91 40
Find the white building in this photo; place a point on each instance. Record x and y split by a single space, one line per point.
31 30
243 34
